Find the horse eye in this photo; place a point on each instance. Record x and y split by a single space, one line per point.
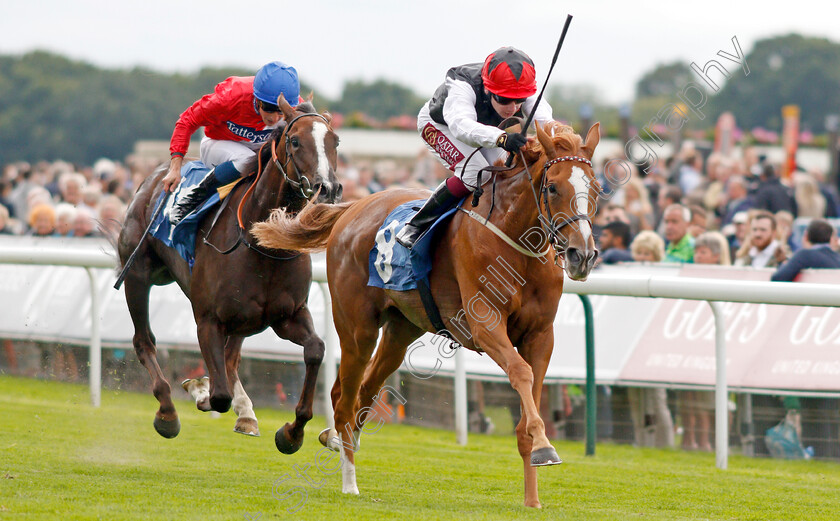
295 142
552 189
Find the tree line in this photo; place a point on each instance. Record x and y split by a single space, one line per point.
52 107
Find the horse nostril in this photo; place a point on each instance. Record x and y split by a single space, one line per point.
573 256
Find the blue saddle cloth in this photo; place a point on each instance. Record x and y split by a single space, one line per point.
392 265
182 236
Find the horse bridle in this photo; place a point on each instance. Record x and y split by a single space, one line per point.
302 186
551 228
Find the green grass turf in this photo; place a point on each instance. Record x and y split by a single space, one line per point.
60 458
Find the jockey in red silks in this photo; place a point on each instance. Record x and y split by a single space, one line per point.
238 118
464 115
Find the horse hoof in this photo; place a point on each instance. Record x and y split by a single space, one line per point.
544 457
247 426
204 405
324 436
167 428
220 403
284 444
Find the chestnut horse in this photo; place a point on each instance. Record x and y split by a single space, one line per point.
237 289
521 314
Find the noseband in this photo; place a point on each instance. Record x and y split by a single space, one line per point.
302 187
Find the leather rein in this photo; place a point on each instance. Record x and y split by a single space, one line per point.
302 188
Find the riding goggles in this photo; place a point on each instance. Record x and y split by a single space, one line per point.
507 101
267 107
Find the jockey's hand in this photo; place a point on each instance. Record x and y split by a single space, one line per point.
173 177
511 142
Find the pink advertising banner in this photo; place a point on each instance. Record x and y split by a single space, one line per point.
767 346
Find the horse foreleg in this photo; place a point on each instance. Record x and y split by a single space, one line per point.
212 342
246 419
300 330
532 427
536 353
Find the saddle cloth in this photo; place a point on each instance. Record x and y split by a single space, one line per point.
182 236
390 264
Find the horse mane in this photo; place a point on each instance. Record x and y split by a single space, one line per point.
564 137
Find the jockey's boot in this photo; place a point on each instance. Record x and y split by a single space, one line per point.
440 201
224 173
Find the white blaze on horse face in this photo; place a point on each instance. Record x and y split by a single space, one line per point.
319 134
581 200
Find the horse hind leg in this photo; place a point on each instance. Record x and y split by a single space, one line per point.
246 419
137 288
358 339
397 334
300 330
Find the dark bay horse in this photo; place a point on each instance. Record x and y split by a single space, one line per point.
512 321
238 293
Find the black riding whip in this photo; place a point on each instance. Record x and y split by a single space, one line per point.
130 260
539 98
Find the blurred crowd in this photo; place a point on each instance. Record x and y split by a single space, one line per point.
64 200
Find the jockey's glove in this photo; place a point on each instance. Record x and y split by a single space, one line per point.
511 142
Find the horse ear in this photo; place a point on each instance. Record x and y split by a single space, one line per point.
310 97
327 116
288 110
545 140
593 137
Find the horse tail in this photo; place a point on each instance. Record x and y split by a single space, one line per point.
307 232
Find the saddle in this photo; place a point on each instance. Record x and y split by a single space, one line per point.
392 266
181 237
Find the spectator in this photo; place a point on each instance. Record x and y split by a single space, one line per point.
652 421
771 194
65 214
697 407
699 220
829 192
5 194
42 220
736 232
809 201
648 246
637 204
712 248
5 227
83 224
679 243
111 215
71 185
737 197
614 242
668 196
19 195
762 249
784 229
817 252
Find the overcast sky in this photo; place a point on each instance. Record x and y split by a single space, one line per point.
610 43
